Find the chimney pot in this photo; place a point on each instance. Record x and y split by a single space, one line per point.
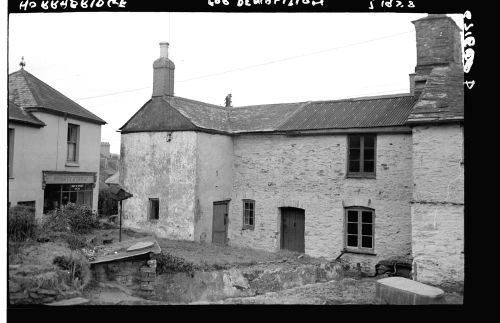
164 49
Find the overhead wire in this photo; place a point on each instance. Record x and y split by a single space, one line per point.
254 65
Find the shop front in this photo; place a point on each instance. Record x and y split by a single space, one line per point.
61 188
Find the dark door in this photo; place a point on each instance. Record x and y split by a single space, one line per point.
292 229
220 222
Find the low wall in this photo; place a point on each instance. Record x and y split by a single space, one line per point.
39 285
250 281
138 274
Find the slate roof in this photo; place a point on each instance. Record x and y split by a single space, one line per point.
18 115
32 94
176 113
442 98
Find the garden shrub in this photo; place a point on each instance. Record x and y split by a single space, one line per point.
22 224
71 217
78 267
75 241
167 263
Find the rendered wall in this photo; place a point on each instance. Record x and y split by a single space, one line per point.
438 207
213 181
45 149
154 166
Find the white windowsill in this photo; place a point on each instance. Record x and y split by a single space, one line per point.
68 164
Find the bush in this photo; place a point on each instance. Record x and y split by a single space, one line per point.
22 223
78 267
75 241
71 217
167 263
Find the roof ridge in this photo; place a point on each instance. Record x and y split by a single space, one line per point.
366 98
210 104
270 104
23 71
378 97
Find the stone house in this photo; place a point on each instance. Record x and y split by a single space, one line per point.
372 177
53 147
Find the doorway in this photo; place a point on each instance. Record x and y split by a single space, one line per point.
292 229
220 223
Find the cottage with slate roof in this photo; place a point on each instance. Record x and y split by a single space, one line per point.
53 147
370 177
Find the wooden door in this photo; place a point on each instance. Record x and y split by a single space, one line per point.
220 223
292 229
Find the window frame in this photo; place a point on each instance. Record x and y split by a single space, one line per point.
76 142
150 209
245 225
10 151
359 248
361 173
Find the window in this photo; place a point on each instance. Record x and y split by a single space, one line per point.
361 156
10 153
248 214
73 134
154 209
57 195
359 229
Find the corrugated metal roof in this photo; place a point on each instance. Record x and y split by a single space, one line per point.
348 113
442 98
17 114
118 250
352 113
27 91
265 117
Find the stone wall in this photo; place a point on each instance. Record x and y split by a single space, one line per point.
160 165
309 172
438 206
138 274
39 285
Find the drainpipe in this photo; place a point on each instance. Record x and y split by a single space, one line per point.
120 238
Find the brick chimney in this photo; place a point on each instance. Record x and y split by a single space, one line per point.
438 44
163 73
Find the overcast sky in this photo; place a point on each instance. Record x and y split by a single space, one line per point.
103 61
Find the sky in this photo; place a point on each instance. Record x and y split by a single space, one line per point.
103 61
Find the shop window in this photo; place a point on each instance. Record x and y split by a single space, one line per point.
73 135
57 195
248 214
359 229
154 209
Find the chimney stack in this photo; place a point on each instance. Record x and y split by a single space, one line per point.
163 73
438 44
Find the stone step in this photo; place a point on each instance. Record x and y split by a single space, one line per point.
404 291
